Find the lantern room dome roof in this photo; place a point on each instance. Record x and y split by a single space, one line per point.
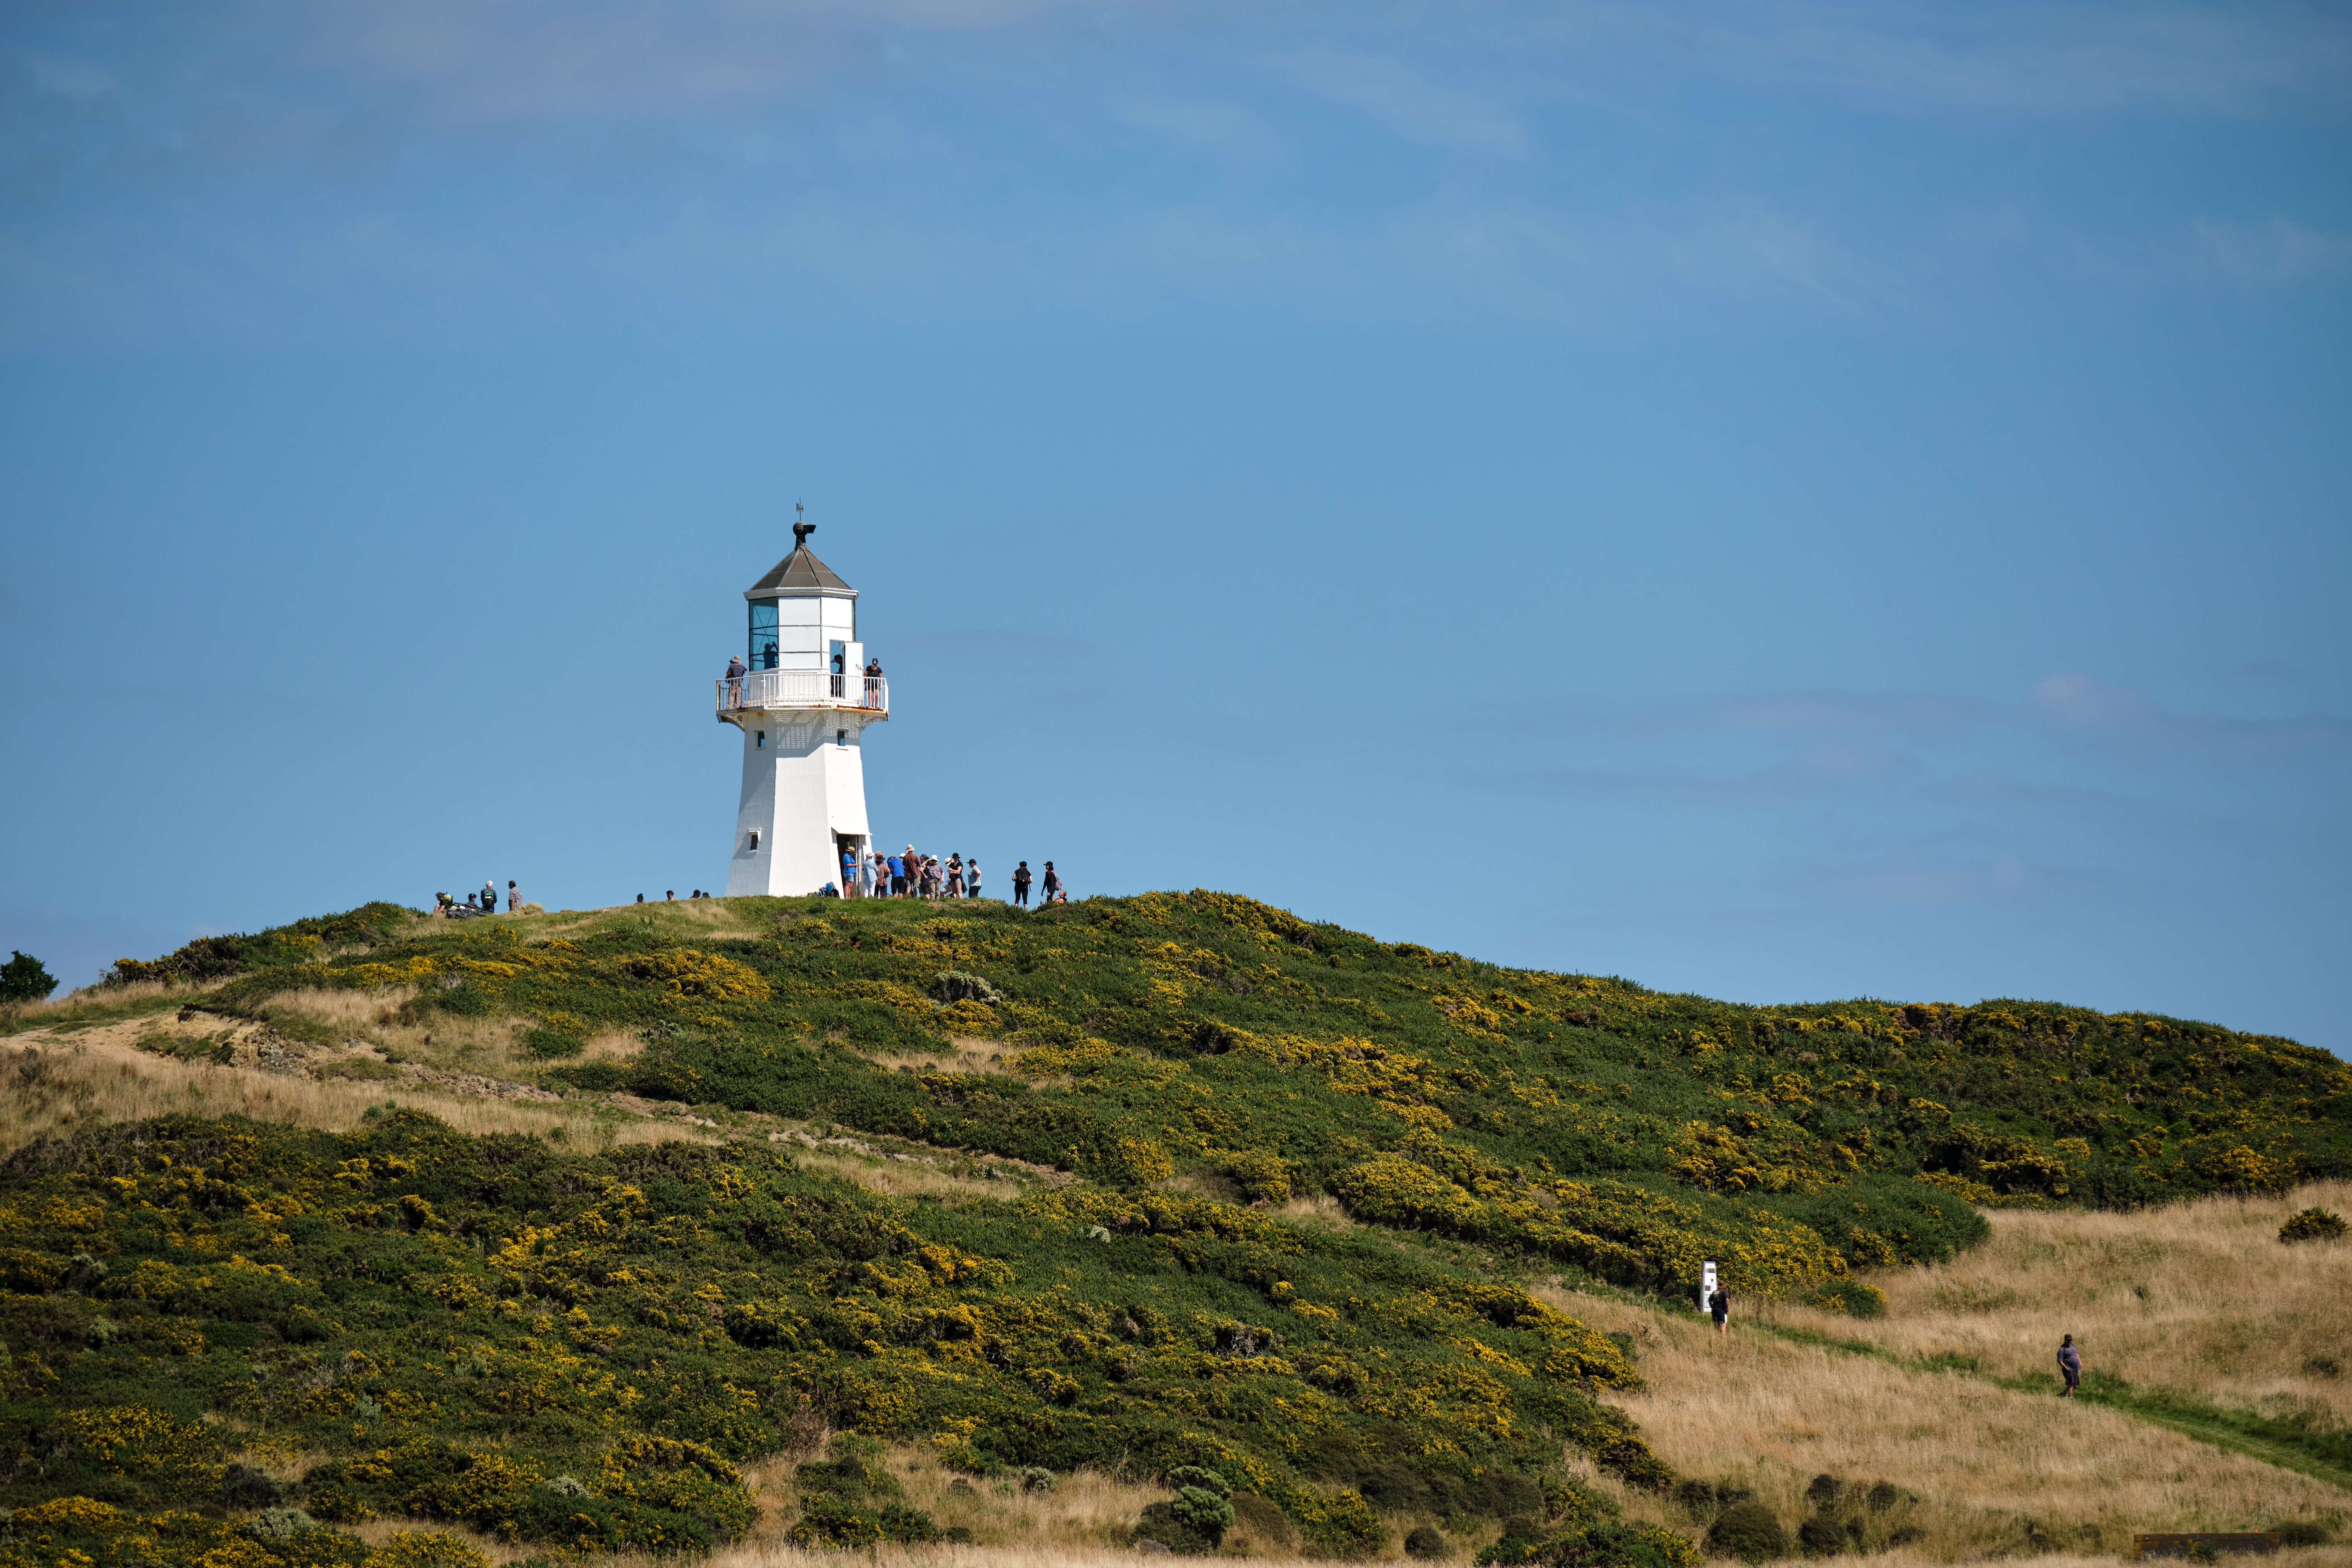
799 573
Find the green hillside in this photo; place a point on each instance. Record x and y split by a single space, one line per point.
579 1349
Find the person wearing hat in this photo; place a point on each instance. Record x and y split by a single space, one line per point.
734 681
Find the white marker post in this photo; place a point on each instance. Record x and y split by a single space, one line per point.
1705 1285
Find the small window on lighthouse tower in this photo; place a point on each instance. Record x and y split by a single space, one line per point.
760 740
765 634
841 738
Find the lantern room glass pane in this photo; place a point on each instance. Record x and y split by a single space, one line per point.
763 654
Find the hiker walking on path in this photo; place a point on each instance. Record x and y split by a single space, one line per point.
1718 1306
1053 885
1020 885
2070 1367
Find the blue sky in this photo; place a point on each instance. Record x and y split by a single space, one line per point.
1786 501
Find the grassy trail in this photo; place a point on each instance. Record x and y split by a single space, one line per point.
2323 1456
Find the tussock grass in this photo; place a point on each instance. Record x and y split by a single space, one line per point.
451 1042
48 1087
907 1180
91 1005
1996 1472
2196 1298
1319 1208
1089 1511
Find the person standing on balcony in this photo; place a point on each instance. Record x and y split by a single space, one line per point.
1020 885
734 681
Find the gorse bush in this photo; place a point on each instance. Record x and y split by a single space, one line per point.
582 1350
2312 1225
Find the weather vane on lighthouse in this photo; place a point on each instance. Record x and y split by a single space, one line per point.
802 695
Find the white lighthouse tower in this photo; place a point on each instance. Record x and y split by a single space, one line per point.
803 708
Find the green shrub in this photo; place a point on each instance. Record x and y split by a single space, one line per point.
954 986
1425 1543
551 1043
1823 1490
1750 1532
1821 1536
2300 1533
1883 1495
2313 1224
275 1524
22 980
1607 1545
1852 1297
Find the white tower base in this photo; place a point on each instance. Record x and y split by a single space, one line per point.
803 799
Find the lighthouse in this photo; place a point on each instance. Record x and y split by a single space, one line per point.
803 708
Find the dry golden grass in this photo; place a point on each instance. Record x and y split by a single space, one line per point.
84 1082
2200 1298
1996 1472
1089 1510
964 1054
371 1019
1321 1209
897 1179
88 1006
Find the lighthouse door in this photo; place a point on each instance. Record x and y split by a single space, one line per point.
848 850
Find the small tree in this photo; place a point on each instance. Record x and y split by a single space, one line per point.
22 980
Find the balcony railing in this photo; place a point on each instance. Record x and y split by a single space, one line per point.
802 688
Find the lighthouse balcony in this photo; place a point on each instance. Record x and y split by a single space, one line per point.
757 691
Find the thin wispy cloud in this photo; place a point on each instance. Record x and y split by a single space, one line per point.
1411 104
1931 883
2124 717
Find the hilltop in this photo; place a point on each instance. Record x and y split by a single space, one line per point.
1176 1186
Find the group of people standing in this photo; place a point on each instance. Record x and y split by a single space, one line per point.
483 902
910 875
